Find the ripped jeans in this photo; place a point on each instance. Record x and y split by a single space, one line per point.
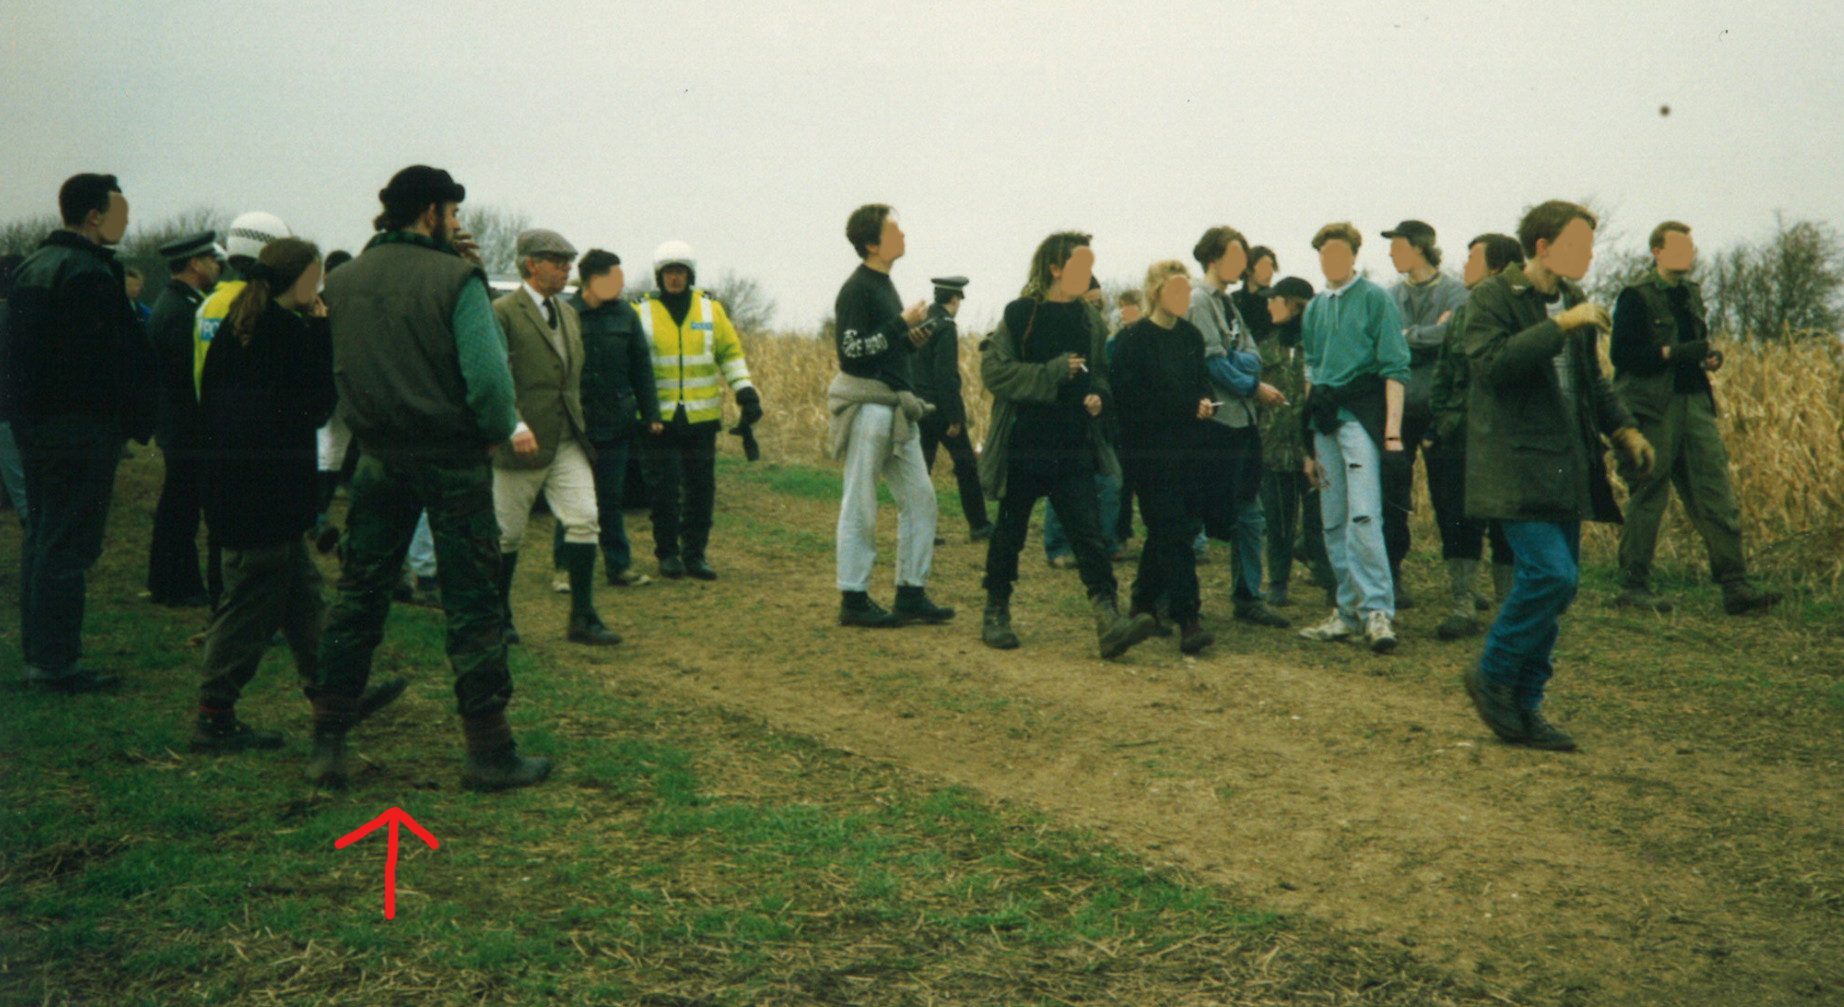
1352 508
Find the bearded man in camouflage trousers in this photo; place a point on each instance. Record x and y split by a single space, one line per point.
424 384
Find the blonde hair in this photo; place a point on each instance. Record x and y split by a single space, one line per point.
1156 276
1342 230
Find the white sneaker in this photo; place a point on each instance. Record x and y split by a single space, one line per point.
560 581
1379 633
1332 629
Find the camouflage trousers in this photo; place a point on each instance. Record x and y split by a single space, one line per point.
387 498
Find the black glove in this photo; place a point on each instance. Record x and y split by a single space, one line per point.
751 404
1690 354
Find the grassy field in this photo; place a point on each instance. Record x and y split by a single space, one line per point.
754 806
684 854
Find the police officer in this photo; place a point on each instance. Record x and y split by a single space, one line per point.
935 372
195 263
1662 360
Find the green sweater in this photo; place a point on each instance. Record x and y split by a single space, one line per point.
1354 332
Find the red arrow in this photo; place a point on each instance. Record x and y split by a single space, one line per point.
393 817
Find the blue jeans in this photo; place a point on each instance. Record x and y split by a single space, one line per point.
70 476
422 549
12 471
610 471
1107 497
1548 570
1352 508
1245 547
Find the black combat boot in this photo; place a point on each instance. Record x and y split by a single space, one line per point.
493 760
913 605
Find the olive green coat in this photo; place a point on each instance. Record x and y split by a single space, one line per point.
1011 381
1528 456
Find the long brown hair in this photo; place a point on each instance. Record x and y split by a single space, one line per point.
1054 251
277 267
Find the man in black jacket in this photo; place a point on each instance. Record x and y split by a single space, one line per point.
618 397
76 367
195 263
936 372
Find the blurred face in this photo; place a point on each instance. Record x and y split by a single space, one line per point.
1570 255
607 286
891 245
1279 310
1175 296
1235 259
209 268
112 224
307 287
1264 271
548 274
953 307
1336 259
675 279
1129 313
1403 255
1072 278
1475 266
1679 254
133 283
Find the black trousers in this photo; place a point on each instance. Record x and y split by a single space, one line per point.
1070 485
1461 537
1168 565
966 467
172 560
1399 491
680 465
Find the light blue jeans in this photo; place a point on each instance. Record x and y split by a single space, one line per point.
422 549
1352 508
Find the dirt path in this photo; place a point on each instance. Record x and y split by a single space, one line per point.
1675 860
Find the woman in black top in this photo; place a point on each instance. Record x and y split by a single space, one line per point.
1163 391
267 385
1047 370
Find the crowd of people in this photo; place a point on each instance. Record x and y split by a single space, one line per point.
1230 403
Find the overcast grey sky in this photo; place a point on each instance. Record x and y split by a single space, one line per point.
752 130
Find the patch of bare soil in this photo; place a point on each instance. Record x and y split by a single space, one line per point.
1676 859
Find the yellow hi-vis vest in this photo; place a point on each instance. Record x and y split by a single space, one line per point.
692 362
211 314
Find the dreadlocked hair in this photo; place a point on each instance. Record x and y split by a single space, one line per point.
1054 251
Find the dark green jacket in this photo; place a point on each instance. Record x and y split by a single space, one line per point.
1011 381
1452 377
1528 457
1644 379
396 361
74 346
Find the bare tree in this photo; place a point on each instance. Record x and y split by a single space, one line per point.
748 305
1783 288
145 240
20 237
497 229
